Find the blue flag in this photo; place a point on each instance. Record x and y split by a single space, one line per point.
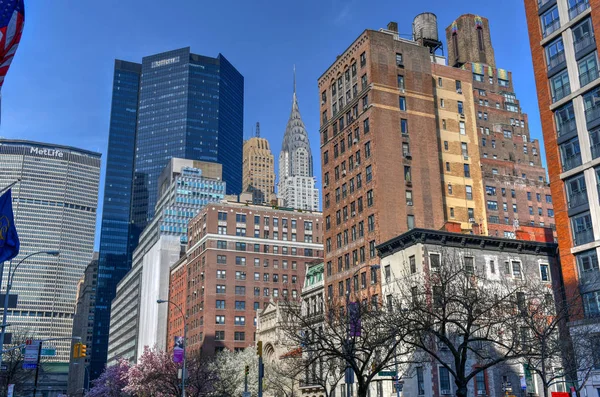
9 240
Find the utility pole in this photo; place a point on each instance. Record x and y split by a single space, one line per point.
37 368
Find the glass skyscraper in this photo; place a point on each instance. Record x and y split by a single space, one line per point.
186 106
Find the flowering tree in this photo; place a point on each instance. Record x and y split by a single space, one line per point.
112 381
156 375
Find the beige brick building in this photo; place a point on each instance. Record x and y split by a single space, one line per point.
258 174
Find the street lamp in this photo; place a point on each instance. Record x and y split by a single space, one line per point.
9 281
159 301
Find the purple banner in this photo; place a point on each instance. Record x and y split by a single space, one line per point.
178 349
354 318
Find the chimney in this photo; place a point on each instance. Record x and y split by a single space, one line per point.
393 26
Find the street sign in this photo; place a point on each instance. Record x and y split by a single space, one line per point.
49 351
31 354
398 385
386 373
246 394
29 366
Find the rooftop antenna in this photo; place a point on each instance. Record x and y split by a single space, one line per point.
257 129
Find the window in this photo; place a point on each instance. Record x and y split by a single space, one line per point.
576 191
591 303
492 205
450 188
469 192
220 304
413 264
420 381
407 174
461 126
370 198
461 109
447 166
544 272
467 170
367 150
576 7
444 380
570 153
399 61
550 21
221 274
366 127
363 59
240 218
409 197
402 103
369 173
239 336
582 228
588 68
404 126
560 86
372 249
583 35
240 320
371 223
239 290
480 383
401 82
220 320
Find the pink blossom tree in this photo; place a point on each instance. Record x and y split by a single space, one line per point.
112 381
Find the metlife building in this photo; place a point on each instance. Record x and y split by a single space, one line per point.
55 209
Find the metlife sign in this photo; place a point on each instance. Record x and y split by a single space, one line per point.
46 152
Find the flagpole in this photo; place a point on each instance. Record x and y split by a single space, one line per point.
11 185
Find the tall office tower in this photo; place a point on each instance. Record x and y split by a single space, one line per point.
462 187
296 181
137 321
239 257
565 59
83 326
55 209
517 192
114 259
181 105
371 192
258 169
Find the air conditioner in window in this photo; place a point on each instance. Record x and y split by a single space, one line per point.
353 213
324 185
402 90
466 157
481 392
446 392
407 155
462 115
409 202
355 141
472 220
344 173
459 90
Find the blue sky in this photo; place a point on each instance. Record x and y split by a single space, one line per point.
58 89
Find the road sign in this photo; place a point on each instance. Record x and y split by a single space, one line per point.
29 366
398 385
31 354
386 373
49 351
246 394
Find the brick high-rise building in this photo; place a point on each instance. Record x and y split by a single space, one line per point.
514 180
565 60
239 257
371 192
258 174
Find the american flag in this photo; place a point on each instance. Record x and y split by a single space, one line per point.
12 20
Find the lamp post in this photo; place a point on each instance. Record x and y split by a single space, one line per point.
349 378
9 281
159 301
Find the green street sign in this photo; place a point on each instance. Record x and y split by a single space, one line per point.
50 351
386 373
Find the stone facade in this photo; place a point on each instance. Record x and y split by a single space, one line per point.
492 257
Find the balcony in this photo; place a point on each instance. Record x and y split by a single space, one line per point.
577 198
588 77
561 92
571 162
551 27
592 113
583 236
583 43
556 60
566 127
578 8
541 3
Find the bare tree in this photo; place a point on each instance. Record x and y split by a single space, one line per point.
458 316
555 352
352 336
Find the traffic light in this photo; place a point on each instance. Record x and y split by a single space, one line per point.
247 370
82 350
77 350
259 348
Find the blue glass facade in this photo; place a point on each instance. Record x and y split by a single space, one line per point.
115 255
189 106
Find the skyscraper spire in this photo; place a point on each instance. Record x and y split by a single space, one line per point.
294 80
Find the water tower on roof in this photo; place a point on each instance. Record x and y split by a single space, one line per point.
425 31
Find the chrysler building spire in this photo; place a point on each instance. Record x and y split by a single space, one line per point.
296 182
